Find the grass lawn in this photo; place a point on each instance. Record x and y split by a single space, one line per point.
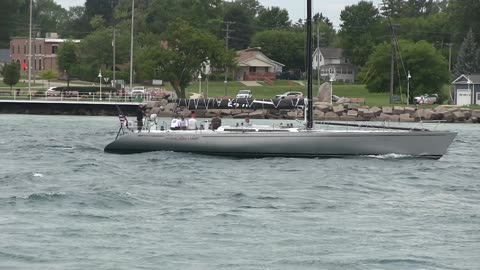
217 89
19 84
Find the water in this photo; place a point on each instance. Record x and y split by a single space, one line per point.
64 204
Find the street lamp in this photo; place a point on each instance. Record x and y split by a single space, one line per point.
469 82
408 87
200 83
100 77
331 89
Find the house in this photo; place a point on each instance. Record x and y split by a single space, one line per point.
333 64
466 89
253 65
44 52
4 57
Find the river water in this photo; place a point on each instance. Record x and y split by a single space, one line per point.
65 204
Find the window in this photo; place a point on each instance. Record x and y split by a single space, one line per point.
13 49
54 49
40 49
35 64
34 49
39 64
25 49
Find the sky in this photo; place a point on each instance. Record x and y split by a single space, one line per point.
330 8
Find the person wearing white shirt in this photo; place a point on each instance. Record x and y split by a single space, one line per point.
192 122
174 123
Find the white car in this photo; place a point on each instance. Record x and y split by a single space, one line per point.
244 94
138 90
291 94
51 92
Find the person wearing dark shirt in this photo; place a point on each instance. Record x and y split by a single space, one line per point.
140 115
216 122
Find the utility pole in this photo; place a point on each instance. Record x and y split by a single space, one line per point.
392 63
131 48
227 37
114 44
449 57
30 52
318 55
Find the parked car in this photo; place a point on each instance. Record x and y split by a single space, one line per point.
244 94
426 99
137 90
52 92
290 94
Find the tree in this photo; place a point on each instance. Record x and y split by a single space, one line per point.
429 69
103 8
273 18
327 32
464 16
67 56
286 47
48 75
360 28
7 21
468 58
241 29
179 57
11 74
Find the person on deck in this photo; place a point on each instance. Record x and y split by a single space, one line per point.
140 115
216 122
174 123
247 122
192 122
182 123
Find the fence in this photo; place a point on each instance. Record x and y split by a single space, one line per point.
73 96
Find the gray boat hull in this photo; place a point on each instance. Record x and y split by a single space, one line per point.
426 144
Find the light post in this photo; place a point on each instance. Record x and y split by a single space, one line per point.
199 83
408 87
331 90
469 82
100 77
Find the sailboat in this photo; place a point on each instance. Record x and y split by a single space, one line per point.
264 141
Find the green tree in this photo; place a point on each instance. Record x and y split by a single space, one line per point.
7 21
361 25
429 69
11 74
327 32
464 16
242 27
180 60
284 46
67 56
468 59
273 18
48 75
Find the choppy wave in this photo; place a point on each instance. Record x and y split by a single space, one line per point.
64 200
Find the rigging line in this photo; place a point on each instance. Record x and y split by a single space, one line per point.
397 49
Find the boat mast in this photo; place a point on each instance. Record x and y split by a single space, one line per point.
309 100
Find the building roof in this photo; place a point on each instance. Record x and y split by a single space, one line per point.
246 55
330 53
464 78
5 56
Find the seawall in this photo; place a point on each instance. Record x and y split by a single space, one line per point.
66 108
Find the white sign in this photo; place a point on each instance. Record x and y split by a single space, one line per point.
157 82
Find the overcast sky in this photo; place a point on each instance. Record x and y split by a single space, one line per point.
296 8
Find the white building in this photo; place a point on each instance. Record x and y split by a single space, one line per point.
333 63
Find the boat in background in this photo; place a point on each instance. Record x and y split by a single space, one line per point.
260 141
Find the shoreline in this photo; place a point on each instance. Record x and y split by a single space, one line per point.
322 111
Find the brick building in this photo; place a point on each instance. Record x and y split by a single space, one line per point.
44 52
